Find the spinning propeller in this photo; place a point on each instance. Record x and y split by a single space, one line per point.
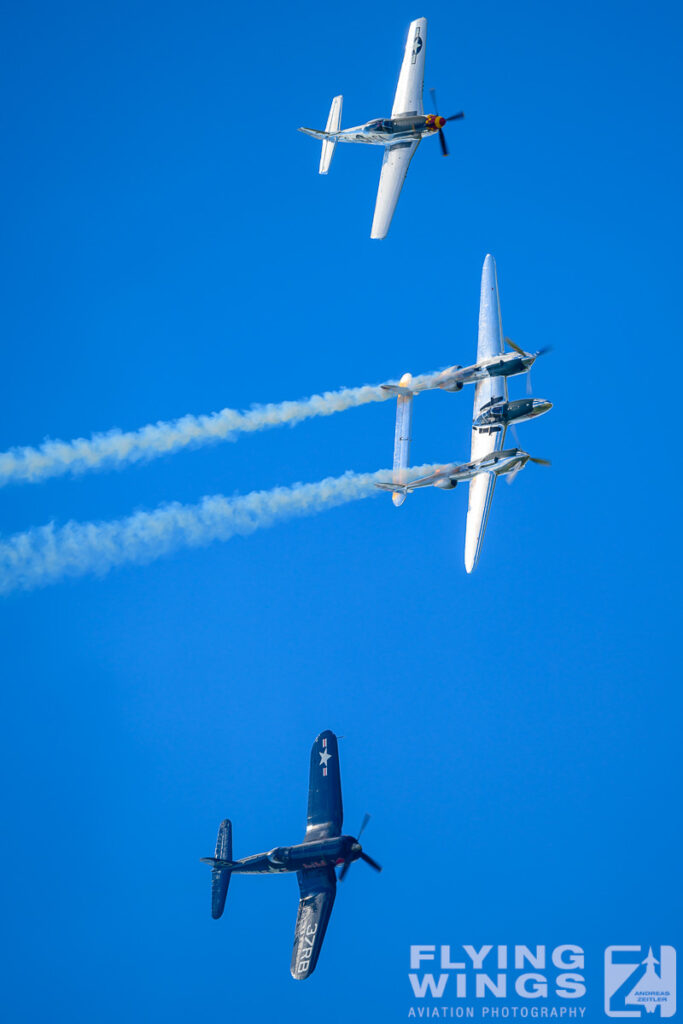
356 848
443 120
532 355
539 462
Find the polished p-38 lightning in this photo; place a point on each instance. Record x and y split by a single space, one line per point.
400 134
314 860
493 413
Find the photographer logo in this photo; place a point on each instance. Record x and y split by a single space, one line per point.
639 980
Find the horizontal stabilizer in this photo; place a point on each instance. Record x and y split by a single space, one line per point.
221 865
396 488
315 133
396 389
331 128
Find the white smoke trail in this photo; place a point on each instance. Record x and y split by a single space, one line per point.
117 448
46 554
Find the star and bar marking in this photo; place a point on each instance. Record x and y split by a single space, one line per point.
324 756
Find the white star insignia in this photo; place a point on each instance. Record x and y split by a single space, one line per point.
324 757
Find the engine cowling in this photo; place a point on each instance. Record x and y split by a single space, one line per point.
453 385
446 484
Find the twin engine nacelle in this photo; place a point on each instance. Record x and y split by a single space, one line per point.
452 385
446 484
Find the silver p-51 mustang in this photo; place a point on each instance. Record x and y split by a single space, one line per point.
400 134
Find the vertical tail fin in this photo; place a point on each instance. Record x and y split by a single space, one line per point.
402 435
333 124
220 876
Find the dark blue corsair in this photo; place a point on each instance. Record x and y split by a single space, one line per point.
314 860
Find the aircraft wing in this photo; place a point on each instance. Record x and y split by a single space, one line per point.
325 811
408 98
490 343
394 169
318 888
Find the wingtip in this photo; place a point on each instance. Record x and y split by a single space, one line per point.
325 734
379 230
472 553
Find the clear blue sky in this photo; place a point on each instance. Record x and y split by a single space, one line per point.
168 247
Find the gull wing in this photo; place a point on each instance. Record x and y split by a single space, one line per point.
325 810
490 343
394 169
318 888
408 98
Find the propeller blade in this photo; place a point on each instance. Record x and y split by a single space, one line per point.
528 381
366 819
432 93
510 478
442 140
510 342
345 867
456 117
370 861
541 462
542 351
513 428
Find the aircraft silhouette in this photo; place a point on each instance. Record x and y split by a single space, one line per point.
314 860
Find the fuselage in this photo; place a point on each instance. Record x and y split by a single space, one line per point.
500 414
304 856
390 130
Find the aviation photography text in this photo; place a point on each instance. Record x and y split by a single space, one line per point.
493 982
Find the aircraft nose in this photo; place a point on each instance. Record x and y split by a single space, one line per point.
439 121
